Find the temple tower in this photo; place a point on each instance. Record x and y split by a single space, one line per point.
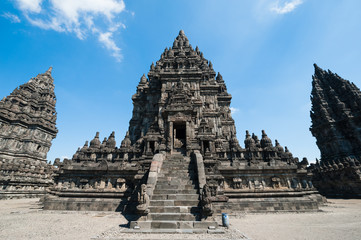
181 152
336 124
27 127
182 105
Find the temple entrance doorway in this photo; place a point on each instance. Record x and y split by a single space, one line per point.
179 137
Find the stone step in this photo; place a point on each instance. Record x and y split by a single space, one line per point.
174 178
175 197
192 203
173 186
175 191
177 161
172 169
174 209
171 216
173 224
177 171
175 182
175 174
181 164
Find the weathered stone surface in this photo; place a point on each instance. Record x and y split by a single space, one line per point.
27 127
336 124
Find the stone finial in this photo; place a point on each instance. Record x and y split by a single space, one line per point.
278 146
95 143
126 141
319 72
219 77
265 141
152 67
143 79
249 142
85 147
49 70
111 141
175 43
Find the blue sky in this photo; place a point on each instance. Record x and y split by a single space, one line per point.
99 49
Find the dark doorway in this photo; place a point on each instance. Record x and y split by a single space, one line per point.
151 146
206 146
179 136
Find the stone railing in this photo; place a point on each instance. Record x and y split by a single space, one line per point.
200 169
154 169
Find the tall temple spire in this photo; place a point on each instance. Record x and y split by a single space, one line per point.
27 127
335 115
335 109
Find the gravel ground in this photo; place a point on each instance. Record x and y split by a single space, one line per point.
24 219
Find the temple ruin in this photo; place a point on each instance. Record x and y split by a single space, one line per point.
336 124
27 127
180 162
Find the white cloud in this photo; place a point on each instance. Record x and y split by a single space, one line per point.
12 17
29 5
286 7
106 39
234 110
80 17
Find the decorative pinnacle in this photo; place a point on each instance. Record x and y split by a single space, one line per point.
219 77
49 70
143 79
318 71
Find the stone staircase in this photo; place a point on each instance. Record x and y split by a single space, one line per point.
174 205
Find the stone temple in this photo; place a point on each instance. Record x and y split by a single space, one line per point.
180 161
27 127
336 124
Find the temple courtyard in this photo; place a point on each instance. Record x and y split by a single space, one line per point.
25 219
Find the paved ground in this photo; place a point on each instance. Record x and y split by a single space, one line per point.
24 219
339 219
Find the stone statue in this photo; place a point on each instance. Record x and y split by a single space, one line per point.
143 200
206 201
